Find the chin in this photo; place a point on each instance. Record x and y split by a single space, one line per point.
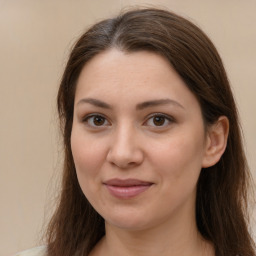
129 226
129 221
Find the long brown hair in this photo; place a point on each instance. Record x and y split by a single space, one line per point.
221 203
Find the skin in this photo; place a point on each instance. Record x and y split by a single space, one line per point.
164 143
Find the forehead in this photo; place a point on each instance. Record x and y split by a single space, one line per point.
125 76
125 66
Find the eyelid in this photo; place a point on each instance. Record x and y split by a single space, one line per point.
169 118
88 116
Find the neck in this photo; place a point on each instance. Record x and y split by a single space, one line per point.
169 239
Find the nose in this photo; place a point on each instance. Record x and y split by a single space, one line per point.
125 149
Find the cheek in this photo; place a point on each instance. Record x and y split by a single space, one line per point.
180 148
88 157
178 165
179 158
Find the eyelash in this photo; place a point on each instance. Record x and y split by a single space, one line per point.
166 118
92 117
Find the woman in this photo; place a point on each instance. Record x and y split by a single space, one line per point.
154 163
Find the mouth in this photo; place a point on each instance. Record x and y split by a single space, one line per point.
128 188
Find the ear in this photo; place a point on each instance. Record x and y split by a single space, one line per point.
216 141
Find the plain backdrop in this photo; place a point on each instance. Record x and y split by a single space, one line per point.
35 39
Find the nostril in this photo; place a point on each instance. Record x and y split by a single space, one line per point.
123 165
126 159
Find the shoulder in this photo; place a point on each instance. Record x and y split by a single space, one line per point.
37 251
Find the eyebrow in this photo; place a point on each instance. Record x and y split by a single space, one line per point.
140 106
152 103
95 102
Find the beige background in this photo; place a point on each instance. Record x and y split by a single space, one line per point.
35 37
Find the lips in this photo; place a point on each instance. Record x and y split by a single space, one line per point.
125 189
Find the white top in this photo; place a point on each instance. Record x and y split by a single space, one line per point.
37 251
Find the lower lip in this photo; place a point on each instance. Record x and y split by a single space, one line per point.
127 192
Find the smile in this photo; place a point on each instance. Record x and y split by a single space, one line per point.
125 189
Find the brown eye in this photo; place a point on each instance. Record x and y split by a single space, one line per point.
98 120
159 120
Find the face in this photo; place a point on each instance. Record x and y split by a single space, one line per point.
138 140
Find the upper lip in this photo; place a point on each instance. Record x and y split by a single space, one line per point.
127 182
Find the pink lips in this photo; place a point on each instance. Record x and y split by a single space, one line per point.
126 188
